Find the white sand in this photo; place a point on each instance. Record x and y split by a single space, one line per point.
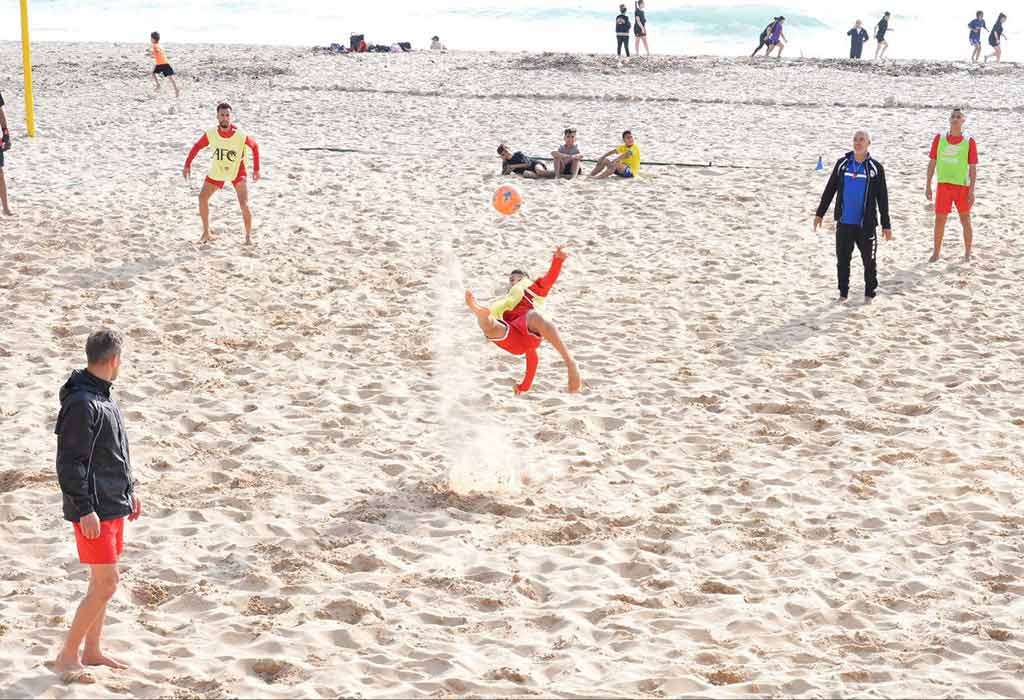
761 493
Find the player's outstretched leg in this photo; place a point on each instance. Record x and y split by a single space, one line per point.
547 330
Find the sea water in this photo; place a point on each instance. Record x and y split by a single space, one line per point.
921 29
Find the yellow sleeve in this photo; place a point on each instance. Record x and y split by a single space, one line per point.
515 295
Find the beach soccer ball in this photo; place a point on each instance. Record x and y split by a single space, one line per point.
507 200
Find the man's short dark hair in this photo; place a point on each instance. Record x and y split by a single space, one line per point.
223 105
626 133
155 36
103 345
521 273
501 147
569 130
979 13
957 109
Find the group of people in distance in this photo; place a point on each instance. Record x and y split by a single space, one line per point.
621 161
639 25
774 38
857 183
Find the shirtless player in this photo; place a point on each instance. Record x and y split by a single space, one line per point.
515 323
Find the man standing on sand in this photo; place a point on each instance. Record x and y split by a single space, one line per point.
859 181
515 323
881 29
955 157
6 147
974 36
95 475
858 35
229 145
622 31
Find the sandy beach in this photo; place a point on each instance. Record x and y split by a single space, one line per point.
760 493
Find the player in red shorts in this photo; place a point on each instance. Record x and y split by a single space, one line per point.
227 165
515 323
954 156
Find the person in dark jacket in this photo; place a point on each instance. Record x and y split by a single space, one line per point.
622 31
858 184
95 475
858 35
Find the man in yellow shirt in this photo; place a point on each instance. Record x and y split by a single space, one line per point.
621 161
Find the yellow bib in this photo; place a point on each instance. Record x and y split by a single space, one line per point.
228 155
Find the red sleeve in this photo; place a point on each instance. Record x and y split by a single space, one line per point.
545 283
972 153
255 153
935 148
202 143
531 370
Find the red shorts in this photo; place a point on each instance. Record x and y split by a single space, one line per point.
518 337
106 548
947 195
220 183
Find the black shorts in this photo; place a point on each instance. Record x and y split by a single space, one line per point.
571 168
639 30
164 69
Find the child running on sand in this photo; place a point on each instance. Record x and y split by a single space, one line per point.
162 66
515 323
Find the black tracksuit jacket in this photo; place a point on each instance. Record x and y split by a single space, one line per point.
876 196
93 462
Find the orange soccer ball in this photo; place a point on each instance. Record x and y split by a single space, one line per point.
507 200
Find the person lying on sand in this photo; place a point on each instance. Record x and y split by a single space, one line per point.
625 164
515 323
519 163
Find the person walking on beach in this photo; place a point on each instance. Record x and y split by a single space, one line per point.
567 158
858 184
881 29
162 67
95 475
995 39
622 31
777 39
640 26
976 25
229 145
516 324
3 149
955 157
621 161
763 39
858 35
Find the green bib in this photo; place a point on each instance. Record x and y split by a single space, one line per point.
952 161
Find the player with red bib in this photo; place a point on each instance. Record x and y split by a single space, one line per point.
515 323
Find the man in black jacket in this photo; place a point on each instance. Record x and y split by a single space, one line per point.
95 475
859 181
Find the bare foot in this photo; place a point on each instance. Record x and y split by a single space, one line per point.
967 256
934 257
65 663
842 300
477 310
206 238
101 659
8 212
248 240
575 382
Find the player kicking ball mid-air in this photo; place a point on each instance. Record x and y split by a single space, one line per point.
515 323
228 144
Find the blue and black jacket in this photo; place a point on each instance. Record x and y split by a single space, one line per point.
876 195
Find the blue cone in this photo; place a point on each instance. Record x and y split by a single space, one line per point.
821 166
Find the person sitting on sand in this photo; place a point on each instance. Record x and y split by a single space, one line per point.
515 323
162 66
858 185
519 163
777 39
436 45
229 146
95 475
567 158
625 164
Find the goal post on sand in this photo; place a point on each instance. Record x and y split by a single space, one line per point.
26 59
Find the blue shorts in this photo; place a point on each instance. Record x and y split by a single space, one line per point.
975 41
626 172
